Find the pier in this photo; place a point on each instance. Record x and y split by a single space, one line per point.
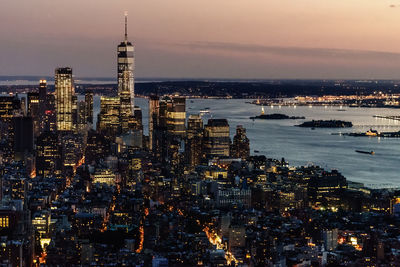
395 118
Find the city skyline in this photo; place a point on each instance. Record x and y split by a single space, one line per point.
185 173
285 39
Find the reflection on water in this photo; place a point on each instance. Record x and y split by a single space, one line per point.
301 146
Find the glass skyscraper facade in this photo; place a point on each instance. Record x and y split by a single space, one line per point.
64 89
126 90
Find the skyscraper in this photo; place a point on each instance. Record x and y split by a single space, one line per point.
23 136
176 117
137 123
33 104
48 155
65 92
89 107
216 138
33 111
50 119
74 111
71 150
170 129
22 106
241 144
172 115
108 118
42 104
194 140
81 116
9 106
97 148
126 90
153 118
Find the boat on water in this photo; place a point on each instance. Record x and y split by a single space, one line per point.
372 133
204 111
256 151
365 152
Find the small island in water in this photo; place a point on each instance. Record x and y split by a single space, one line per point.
276 116
326 124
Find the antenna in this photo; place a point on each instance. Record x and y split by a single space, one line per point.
126 26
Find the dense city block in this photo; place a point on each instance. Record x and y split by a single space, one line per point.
187 194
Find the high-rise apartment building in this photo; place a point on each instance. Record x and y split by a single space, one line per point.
64 91
126 90
216 138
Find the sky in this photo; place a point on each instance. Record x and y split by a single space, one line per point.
236 39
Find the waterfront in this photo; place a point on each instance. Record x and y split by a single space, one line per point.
302 146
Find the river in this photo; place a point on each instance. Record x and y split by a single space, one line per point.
303 146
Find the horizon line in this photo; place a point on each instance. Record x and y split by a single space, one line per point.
160 79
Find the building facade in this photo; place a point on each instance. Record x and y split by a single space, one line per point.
65 93
33 110
194 140
216 138
176 116
42 104
109 118
154 102
241 144
48 155
89 107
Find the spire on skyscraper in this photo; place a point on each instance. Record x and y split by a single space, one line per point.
126 26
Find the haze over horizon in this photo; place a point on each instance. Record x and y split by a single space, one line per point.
305 39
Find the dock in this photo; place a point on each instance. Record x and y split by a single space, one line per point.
395 118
